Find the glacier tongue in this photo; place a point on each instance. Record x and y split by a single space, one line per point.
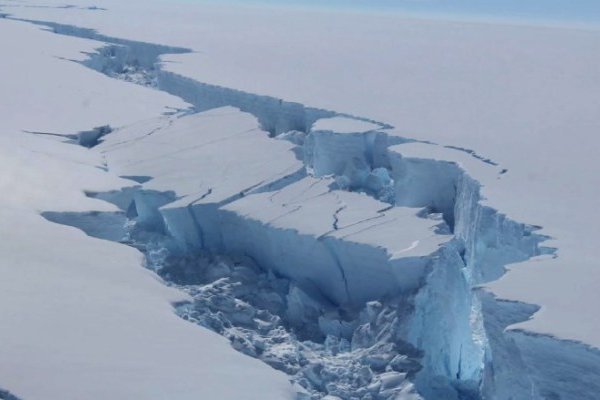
331 253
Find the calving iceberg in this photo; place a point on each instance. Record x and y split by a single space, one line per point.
332 247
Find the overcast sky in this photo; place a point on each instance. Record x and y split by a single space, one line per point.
578 11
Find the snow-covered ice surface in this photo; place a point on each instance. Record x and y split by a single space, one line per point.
343 124
80 318
354 235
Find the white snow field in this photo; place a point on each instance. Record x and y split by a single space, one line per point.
81 319
376 207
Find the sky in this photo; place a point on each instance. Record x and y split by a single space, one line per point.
585 12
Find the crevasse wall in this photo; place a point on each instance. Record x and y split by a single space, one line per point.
120 57
275 116
447 321
347 273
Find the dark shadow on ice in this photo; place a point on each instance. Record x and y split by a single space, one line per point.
88 139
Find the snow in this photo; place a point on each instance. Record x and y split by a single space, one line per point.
438 81
86 96
80 317
344 125
227 145
494 129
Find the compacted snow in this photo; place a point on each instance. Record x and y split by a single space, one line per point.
340 196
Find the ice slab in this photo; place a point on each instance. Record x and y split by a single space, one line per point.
350 246
207 157
226 175
344 125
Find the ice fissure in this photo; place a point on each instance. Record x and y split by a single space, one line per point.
344 317
139 62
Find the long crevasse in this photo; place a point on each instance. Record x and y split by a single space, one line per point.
452 331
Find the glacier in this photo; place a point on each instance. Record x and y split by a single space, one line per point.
322 243
336 215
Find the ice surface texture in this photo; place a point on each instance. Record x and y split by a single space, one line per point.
378 272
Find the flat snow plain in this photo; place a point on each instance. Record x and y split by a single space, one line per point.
525 98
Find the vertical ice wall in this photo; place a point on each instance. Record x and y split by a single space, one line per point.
275 116
479 354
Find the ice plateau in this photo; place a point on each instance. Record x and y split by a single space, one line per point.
353 258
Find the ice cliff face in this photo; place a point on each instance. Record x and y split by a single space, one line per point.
322 251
